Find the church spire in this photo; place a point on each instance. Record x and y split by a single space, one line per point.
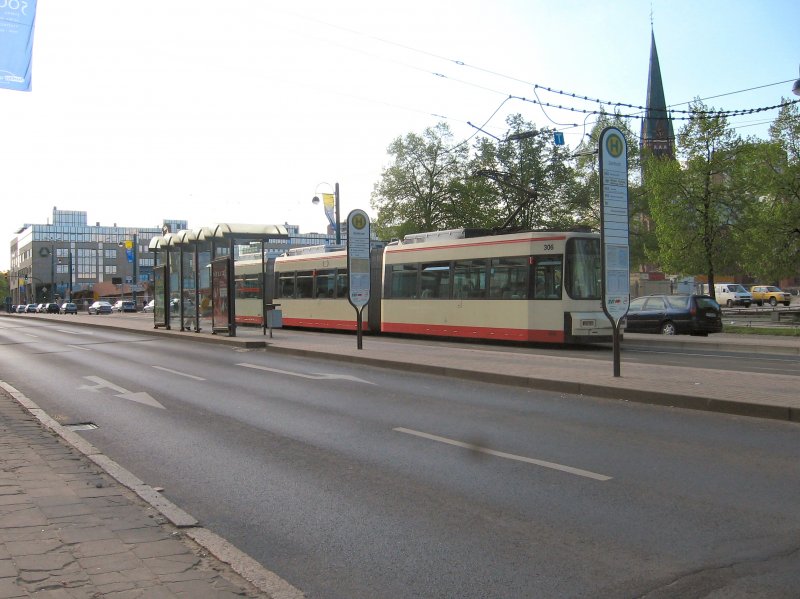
657 134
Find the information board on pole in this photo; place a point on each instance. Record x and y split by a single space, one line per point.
614 229
358 258
358 263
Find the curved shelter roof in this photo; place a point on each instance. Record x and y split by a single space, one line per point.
220 232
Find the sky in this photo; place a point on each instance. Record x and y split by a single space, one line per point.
241 111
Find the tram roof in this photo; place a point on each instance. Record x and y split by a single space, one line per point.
314 249
446 234
472 233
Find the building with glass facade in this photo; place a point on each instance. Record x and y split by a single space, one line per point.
70 259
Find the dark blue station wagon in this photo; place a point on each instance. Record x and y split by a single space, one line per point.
674 315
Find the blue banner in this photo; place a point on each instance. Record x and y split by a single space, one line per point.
16 43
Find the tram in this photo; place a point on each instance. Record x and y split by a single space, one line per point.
524 287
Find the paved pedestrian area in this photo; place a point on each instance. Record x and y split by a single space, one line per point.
70 531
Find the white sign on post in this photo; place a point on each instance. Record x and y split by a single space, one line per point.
358 264
358 258
614 223
614 230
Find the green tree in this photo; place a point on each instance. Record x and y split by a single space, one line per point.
530 182
697 203
772 244
423 188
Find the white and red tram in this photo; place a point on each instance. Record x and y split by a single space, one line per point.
529 287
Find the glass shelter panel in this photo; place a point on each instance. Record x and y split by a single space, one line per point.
204 285
187 301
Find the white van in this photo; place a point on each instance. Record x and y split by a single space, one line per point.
731 294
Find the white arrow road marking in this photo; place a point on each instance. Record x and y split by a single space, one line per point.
141 397
501 454
314 376
188 376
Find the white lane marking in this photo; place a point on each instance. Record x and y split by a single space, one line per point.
188 376
141 397
29 335
502 454
79 347
74 332
314 376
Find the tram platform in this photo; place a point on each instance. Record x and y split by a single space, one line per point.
755 394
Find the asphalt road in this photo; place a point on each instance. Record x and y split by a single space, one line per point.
356 482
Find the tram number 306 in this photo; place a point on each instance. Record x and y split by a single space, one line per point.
549 247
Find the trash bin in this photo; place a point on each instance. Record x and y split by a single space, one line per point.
274 319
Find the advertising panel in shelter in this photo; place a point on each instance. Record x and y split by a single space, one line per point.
220 289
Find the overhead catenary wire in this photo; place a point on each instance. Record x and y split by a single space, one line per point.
691 114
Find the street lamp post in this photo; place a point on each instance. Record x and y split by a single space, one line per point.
53 272
796 88
331 205
70 273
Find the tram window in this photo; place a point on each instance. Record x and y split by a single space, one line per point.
305 284
326 280
583 268
341 282
285 285
469 279
248 286
435 280
546 277
508 278
404 281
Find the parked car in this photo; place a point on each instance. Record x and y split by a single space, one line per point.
100 307
770 294
51 308
40 308
150 306
21 308
674 315
31 308
69 308
731 294
123 306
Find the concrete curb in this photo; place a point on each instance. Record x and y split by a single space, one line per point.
265 580
660 398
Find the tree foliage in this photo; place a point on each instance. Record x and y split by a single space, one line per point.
697 202
419 191
529 183
726 206
772 245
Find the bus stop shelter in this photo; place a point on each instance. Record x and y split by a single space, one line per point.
195 275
